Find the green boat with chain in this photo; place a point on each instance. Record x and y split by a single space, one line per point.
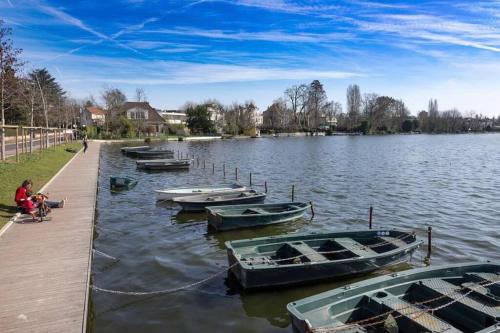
303 258
453 299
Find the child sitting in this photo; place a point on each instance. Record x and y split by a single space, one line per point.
29 207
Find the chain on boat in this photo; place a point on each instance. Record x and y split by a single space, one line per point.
367 322
165 291
268 260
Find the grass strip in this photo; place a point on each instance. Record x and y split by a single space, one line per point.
40 168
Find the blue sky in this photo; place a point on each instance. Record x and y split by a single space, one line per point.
254 49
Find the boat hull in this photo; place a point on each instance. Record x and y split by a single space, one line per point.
223 223
200 206
170 195
151 154
160 167
121 183
304 274
467 297
129 150
270 261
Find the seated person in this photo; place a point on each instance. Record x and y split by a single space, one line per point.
29 207
22 193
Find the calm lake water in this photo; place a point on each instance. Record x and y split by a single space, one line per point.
449 182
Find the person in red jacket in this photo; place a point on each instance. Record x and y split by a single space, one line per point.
22 193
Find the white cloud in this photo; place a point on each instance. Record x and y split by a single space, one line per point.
434 29
271 36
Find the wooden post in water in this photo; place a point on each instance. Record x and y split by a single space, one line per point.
236 173
427 259
224 169
370 217
293 193
250 179
213 168
265 186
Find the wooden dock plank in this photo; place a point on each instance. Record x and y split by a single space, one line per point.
44 267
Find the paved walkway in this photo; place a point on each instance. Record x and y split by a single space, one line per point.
45 267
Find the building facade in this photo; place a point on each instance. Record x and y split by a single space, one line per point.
144 116
92 116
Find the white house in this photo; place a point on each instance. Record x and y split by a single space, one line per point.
174 117
92 115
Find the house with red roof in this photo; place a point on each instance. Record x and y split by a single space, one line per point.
93 115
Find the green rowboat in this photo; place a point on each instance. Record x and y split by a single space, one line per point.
302 258
244 216
452 299
121 183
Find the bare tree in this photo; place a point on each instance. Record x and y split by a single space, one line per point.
274 115
113 99
353 105
433 115
297 97
316 100
9 65
140 95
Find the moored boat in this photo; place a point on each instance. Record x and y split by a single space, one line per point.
301 258
170 193
198 203
244 216
453 298
121 182
127 150
152 154
164 164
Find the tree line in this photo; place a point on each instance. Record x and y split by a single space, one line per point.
212 116
307 108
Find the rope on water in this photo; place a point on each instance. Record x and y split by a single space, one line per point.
165 291
104 255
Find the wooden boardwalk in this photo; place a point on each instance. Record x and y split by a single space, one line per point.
45 267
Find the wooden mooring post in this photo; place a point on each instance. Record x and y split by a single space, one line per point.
250 179
265 186
293 193
224 169
213 168
427 259
370 217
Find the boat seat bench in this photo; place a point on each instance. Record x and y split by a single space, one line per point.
413 313
308 252
254 211
355 247
452 291
394 241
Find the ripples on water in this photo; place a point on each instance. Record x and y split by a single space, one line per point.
448 181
